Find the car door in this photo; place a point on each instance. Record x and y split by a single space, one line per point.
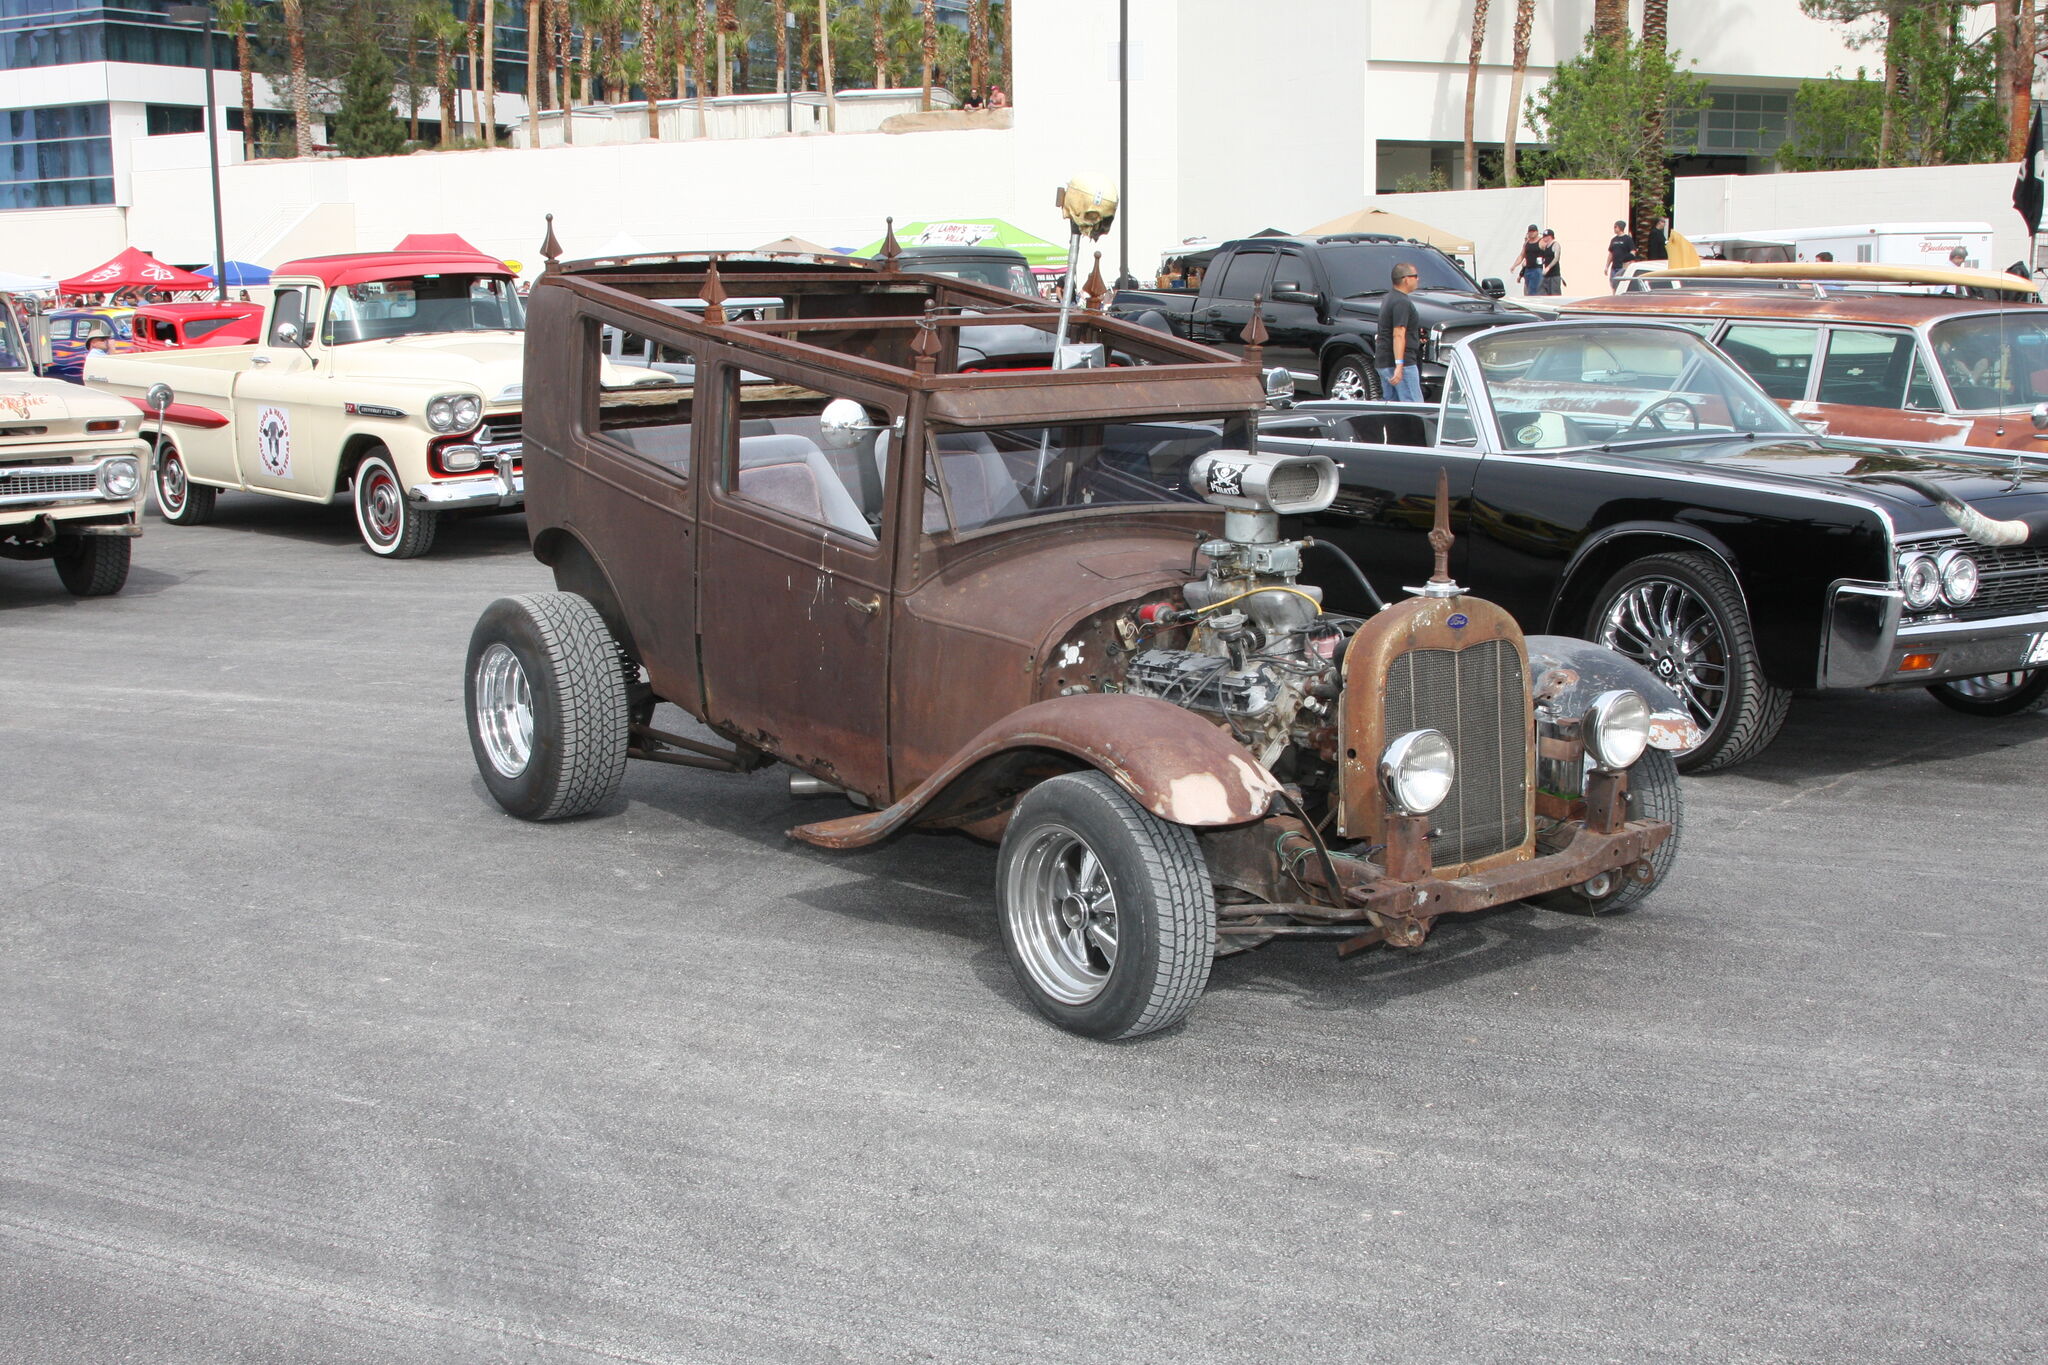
282 401
1220 318
1295 325
1778 356
793 582
1874 384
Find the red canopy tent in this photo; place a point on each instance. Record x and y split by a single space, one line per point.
134 269
448 242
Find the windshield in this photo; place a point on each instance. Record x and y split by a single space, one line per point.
13 343
1015 473
1011 275
1994 360
421 306
1364 269
1555 388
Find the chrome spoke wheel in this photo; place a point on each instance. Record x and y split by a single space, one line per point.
1063 915
504 710
1347 384
1990 687
1665 626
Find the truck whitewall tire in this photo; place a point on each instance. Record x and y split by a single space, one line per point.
390 526
545 697
180 501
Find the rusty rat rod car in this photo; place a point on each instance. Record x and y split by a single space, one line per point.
1046 607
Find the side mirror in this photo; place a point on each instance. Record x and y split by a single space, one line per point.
1493 288
843 422
286 334
1288 293
159 397
2041 416
1279 388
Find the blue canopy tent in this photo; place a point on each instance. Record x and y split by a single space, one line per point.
240 274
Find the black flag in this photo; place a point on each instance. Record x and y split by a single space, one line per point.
2026 195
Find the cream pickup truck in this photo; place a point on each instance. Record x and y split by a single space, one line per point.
390 378
70 470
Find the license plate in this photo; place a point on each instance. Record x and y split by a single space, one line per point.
2039 653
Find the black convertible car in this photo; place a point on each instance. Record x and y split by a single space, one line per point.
1628 483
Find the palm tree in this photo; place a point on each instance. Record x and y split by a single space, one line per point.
534 23
697 30
1650 197
1525 20
1472 91
929 47
237 17
825 66
490 73
302 106
727 22
781 46
441 30
881 43
1610 20
977 47
652 67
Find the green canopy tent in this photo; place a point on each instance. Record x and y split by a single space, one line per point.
1042 255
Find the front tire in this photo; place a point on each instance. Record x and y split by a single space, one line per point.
390 526
1352 379
180 501
1653 794
546 700
1995 694
1108 915
1681 616
98 567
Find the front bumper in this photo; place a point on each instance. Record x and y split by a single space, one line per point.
1589 854
502 486
1867 645
69 491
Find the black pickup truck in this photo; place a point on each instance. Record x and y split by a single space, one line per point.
1322 299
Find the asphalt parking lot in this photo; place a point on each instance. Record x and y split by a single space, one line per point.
309 1054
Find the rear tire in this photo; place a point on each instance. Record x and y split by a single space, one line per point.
1107 912
1654 793
180 501
391 527
1351 378
1995 694
98 567
546 701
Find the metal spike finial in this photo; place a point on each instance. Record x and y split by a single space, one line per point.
925 345
1095 289
1255 333
713 294
550 248
1440 535
891 248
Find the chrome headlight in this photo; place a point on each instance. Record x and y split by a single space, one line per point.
1920 577
1416 771
118 478
454 411
469 409
1958 577
1617 729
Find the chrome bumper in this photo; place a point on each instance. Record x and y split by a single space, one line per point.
503 487
65 485
1866 645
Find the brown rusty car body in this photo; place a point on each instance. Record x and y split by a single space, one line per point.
995 603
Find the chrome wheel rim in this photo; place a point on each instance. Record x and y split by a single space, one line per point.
170 484
1347 385
1669 629
1063 916
504 710
1990 687
381 504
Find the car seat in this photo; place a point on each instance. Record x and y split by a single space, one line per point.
792 474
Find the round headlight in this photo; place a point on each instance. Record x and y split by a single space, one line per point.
1958 577
468 408
441 413
1617 729
1416 771
119 477
1921 579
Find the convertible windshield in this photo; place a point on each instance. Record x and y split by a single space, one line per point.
1014 473
1369 269
1554 388
1994 360
422 305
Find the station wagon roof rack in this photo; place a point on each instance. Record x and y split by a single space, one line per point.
1846 274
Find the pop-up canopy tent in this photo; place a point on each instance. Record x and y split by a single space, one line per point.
1394 225
1041 254
445 243
795 244
239 273
134 269
11 283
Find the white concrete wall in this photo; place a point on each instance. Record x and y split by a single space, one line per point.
63 242
1735 203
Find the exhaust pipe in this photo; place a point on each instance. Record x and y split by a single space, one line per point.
803 784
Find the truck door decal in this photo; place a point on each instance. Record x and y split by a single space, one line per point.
274 441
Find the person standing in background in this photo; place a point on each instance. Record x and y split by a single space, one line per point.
1553 273
1397 345
1621 249
1660 241
1529 262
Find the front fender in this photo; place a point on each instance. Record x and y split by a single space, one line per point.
1172 762
1566 673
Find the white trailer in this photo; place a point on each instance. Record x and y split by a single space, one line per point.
1879 243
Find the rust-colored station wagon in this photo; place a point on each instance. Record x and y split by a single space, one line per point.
1051 609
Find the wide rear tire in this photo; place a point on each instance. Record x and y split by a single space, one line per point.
1107 911
545 693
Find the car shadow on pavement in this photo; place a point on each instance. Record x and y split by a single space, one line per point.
457 537
1830 735
34 583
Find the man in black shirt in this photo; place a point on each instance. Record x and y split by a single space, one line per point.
1620 251
1397 348
1529 263
1553 273
1660 241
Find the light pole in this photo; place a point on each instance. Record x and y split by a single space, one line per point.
203 16
1123 143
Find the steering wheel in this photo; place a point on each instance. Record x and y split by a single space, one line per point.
1649 415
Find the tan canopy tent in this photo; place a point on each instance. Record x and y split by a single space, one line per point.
795 244
1379 220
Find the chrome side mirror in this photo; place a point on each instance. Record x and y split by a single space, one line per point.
159 397
285 334
2041 416
843 422
1279 388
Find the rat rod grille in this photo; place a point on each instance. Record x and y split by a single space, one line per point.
1475 697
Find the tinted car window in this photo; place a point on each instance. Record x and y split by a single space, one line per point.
1920 391
1777 358
1246 275
1866 368
1994 360
1369 269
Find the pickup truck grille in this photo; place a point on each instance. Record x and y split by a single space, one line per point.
2011 578
500 428
1478 698
47 485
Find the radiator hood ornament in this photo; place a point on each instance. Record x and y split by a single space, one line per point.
1440 583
